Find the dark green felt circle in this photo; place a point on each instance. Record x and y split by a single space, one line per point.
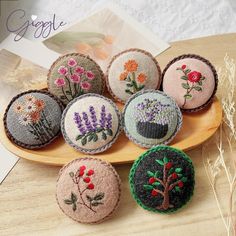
150 163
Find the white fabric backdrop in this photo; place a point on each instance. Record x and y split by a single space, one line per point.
171 19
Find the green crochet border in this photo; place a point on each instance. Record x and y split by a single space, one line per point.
136 163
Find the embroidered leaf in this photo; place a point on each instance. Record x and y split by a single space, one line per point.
90 137
141 87
74 207
148 187
188 96
99 196
73 197
150 174
199 82
128 91
89 198
180 175
197 88
128 78
157 173
84 141
71 174
178 68
156 184
178 170
203 78
68 201
79 137
104 136
165 159
184 179
160 162
177 189
95 137
185 86
109 132
99 130
129 85
171 170
184 77
187 71
96 203
135 84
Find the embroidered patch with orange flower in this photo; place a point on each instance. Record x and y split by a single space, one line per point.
134 81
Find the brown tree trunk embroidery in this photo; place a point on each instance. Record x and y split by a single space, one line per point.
172 180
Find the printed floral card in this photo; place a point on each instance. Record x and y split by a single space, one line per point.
104 34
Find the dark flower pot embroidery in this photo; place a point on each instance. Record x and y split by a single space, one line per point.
31 114
162 183
77 79
89 126
134 82
152 118
193 81
152 130
83 181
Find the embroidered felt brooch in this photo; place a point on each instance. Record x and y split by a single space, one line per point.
91 123
151 118
162 179
32 119
191 80
88 190
73 75
131 71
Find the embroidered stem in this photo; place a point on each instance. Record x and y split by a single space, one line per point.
62 89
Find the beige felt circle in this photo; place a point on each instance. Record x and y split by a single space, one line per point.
136 66
95 199
71 131
173 84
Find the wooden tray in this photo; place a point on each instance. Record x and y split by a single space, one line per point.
196 129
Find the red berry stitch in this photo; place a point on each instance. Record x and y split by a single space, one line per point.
90 186
174 176
81 173
90 172
86 179
82 168
180 184
169 165
183 67
151 180
154 192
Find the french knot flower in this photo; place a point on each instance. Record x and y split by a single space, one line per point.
194 76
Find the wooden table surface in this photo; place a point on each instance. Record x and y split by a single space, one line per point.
27 196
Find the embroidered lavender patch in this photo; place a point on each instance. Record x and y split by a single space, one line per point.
90 125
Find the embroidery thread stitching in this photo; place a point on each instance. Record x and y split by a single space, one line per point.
193 80
159 183
89 127
77 78
31 114
152 118
89 202
134 82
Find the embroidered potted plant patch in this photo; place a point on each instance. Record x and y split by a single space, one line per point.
151 118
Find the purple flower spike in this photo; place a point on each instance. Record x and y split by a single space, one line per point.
87 122
79 123
109 121
93 117
103 117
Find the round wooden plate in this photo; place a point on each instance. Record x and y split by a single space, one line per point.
197 128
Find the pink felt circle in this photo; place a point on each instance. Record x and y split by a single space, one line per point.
172 83
86 179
